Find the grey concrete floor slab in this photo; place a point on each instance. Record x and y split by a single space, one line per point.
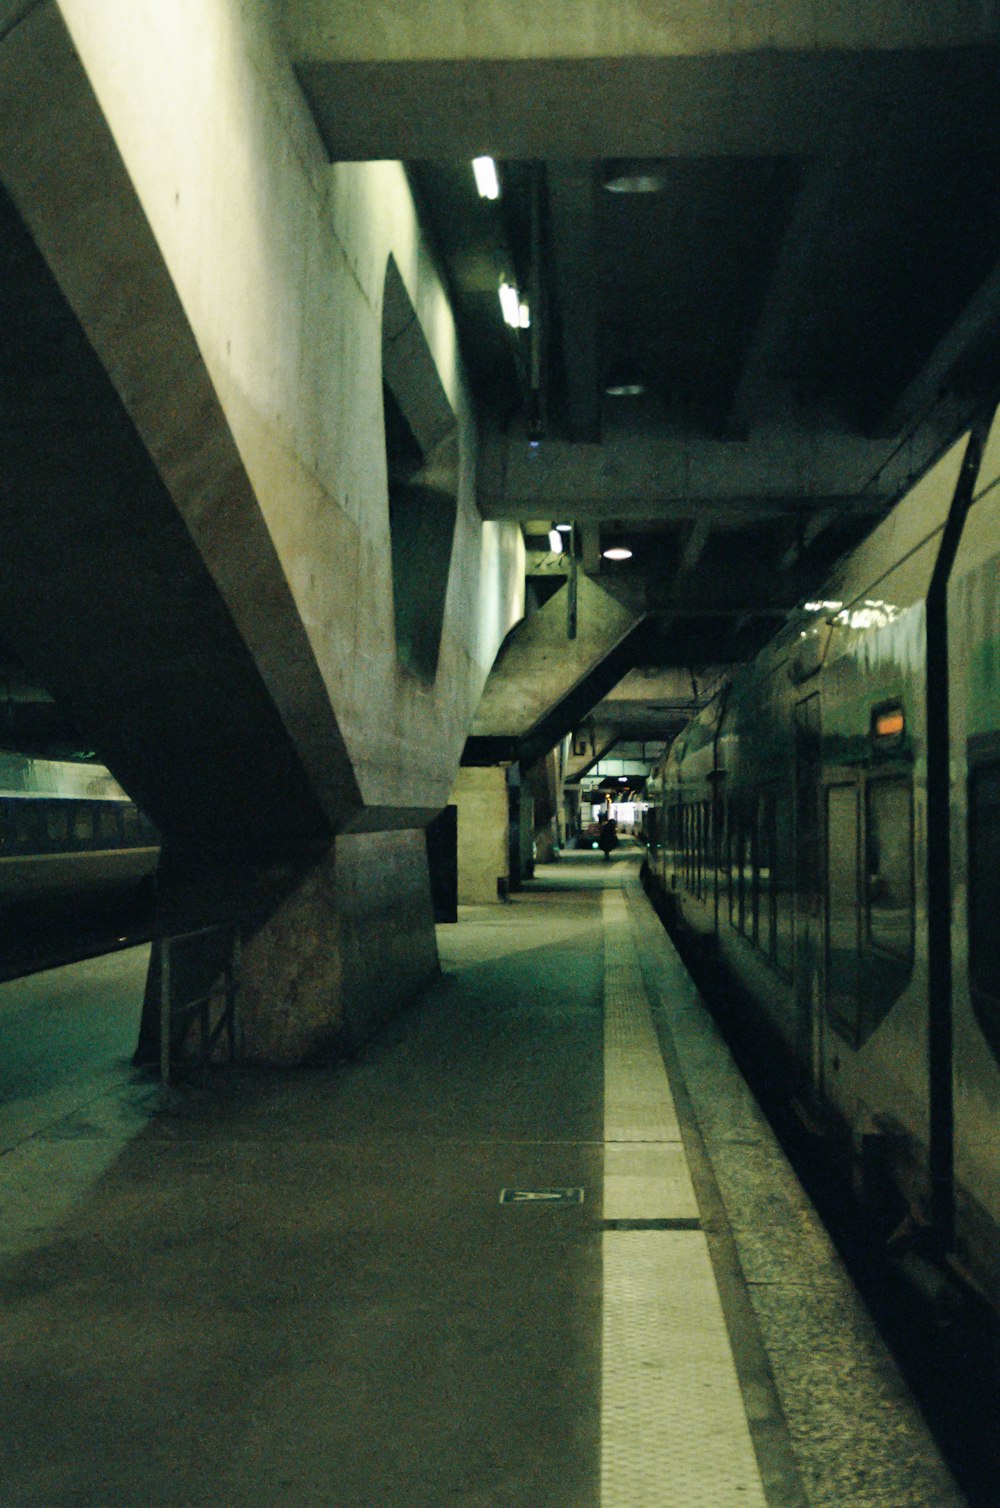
301 1288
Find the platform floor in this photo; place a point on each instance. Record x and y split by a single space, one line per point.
312 1288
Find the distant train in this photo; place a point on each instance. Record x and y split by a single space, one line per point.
67 827
830 825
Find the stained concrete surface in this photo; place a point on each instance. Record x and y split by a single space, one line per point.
66 1037
301 1288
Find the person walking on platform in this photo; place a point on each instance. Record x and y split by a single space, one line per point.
607 836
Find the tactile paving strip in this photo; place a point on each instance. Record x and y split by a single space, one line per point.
673 1425
638 1105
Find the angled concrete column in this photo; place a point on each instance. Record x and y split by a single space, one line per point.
544 683
206 336
590 744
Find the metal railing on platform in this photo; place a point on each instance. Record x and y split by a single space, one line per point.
199 977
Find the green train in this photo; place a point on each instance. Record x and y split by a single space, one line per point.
77 862
830 824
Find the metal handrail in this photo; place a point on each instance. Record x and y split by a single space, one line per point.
199 1005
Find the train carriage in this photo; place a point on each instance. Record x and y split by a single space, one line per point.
794 831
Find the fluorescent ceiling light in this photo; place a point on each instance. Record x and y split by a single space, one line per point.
555 542
565 528
510 303
617 552
487 182
523 315
624 389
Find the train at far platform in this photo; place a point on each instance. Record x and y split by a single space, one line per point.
827 831
77 862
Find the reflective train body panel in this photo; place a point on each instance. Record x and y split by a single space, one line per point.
66 828
790 827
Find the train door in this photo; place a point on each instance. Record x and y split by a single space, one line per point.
808 956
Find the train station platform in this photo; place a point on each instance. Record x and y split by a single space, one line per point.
534 1246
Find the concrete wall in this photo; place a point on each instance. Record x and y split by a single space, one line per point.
480 793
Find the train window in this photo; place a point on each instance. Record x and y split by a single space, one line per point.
842 953
889 868
765 872
57 823
24 825
783 882
742 854
753 873
107 824
83 825
984 896
706 845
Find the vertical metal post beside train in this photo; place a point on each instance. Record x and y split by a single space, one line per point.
832 822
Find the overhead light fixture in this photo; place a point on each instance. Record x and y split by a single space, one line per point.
555 542
487 182
565 528
635 178
510 303
624 380
624 387
616 548
516 311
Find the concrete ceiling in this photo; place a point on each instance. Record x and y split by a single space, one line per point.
812 297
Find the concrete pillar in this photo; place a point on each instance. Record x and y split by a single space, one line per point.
213 554
340 954
522 835
480 793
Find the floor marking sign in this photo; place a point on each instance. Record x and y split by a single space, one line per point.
541 1196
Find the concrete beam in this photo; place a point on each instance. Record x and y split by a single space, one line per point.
495 30
978 319
599 741
777 473
538 665
694 547
139 469
602 79
820 199
572 239
811 531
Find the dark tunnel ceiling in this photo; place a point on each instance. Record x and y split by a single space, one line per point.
854 295
890 246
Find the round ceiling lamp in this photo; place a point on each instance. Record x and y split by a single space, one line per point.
634 178
624 386
616 548
624 380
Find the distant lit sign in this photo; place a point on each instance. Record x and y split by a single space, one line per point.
888 726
